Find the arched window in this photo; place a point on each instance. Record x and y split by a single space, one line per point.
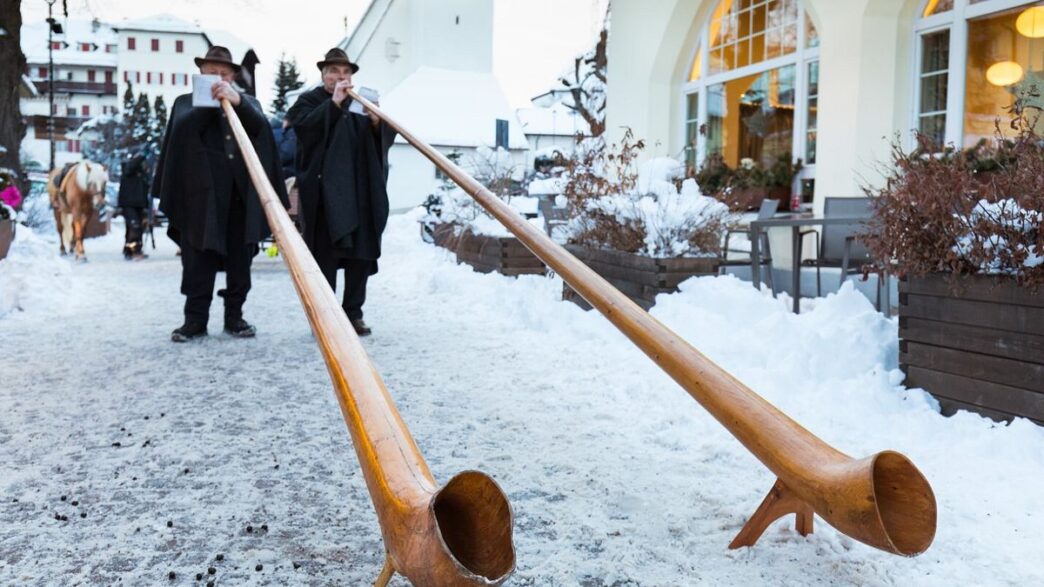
753 85
974 57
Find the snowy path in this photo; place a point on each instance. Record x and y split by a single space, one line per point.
176 453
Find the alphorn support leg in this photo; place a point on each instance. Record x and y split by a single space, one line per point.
779 502
386 573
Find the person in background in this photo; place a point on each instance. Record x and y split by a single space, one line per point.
214 212
342 177
286 141
134 201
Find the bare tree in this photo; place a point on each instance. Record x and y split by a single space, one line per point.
12 66
585 83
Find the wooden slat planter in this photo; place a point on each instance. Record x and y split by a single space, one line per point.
504 255
445 236
981 349
7 232
639 278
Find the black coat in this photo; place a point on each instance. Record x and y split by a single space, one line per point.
134 184
342 160
286 141
200 168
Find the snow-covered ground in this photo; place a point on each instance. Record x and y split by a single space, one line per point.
157 457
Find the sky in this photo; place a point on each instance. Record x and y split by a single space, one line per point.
534 40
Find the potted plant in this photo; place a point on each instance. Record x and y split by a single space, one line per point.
746 186
962 229
636 228
477 238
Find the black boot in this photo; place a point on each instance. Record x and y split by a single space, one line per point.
360 327
240 328
189 331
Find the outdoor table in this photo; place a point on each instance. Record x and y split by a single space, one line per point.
795 222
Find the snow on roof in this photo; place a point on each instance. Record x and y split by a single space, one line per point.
34 43
453 108
237 46
558 120
160 23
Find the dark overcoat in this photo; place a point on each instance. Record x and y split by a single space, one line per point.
342 160
200 167
134 184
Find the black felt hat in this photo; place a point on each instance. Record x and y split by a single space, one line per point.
336 56
218 54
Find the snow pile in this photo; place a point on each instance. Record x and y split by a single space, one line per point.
551 186
615 475
991 226
670 223
32 276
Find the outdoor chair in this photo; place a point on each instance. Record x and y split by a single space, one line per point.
553 215
838 245
767 210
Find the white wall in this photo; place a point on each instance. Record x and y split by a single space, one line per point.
865 79
166 61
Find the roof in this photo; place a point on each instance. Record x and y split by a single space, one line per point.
453 108
558 120
355 43
34 43
160 23
237 46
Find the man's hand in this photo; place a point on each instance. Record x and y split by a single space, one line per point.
374 119
340 93
224 90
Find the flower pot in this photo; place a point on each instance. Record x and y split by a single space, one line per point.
639 278
7 234
979 349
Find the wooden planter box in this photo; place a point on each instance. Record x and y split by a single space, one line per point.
96 227
751 198
7 233
639 278
445 236
981 349
505 255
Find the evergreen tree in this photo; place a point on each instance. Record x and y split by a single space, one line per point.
287 80
141 121
159 121
128 99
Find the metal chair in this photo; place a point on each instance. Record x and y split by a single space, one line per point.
553 215
767 210
837 246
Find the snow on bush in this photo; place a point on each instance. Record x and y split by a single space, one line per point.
643 212
967 211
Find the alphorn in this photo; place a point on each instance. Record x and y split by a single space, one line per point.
881 500
457 535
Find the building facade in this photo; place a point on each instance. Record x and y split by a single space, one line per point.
95 63
84 84
832 82
433 64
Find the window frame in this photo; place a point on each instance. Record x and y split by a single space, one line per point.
956 20
801 58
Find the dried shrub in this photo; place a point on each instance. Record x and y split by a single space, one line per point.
963 212
610 206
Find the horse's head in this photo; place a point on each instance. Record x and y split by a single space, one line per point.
95 178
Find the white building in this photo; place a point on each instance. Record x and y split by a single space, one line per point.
433 63
830 81
96 62
85 65
156 55
551 128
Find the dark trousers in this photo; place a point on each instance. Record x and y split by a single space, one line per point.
199 270
356 274
132 239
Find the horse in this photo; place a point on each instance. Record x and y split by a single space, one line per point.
75 197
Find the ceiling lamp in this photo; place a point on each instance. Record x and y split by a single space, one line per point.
1031 22
1004 73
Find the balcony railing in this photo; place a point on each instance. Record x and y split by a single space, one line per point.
101 88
